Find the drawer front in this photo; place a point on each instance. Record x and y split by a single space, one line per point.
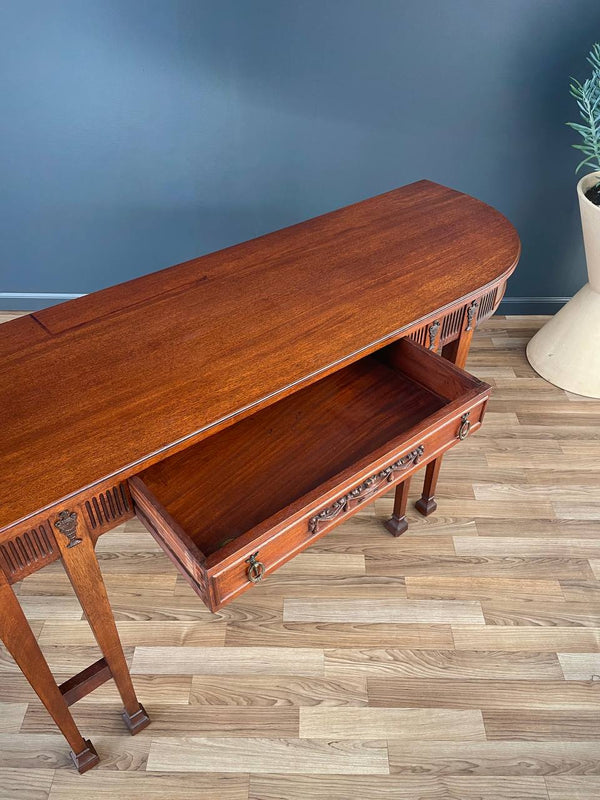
256 561
254 564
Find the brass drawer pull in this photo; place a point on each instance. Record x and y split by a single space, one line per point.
256 569
465 426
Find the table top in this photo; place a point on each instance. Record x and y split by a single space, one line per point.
93 386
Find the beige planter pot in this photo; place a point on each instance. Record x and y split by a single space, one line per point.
566 351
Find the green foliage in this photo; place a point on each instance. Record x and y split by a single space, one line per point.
587 95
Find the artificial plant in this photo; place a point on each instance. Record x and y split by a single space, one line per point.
587 95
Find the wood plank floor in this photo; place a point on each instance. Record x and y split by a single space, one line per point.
460 661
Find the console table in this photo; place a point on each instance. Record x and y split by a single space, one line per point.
241 404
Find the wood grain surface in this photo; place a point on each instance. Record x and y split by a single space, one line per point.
102 383
459 662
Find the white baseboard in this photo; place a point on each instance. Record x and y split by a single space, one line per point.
37 296
531 305
561 300
33 301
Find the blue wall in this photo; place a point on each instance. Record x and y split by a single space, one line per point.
140 133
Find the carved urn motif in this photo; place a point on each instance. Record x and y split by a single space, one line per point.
67 525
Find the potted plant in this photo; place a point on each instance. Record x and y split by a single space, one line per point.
566 351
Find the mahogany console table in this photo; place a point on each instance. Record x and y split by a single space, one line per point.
241 404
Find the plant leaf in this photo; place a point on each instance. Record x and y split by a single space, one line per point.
587 95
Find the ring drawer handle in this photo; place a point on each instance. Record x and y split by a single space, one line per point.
465 426
256 569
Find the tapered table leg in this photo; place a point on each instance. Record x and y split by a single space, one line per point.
21 643
456 352
81 565
398 524
426 503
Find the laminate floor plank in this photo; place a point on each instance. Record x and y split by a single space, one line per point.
473 471
472 664
426 587
525 546
552 613
500 509
14 688
509 492
174 689
557 414
544 528
345 634
47 751
174 720
323 757
187 608
421 531
580 590
589 510
510 758
577 448
327 565
372 537
486 695
456 662
152 786
160 634
148 608
441 724
539 447
162 689
70 660
547 479
542 725
546 461
54 584
390 611
131 537
145 564
581 666
402 787
25 784
335 588
511 567
550 638
271 691
41 608
11 716
573 787
228 661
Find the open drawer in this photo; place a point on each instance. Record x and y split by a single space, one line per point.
234 507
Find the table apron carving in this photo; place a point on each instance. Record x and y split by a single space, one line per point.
365 490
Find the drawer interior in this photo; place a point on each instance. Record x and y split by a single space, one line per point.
227 484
